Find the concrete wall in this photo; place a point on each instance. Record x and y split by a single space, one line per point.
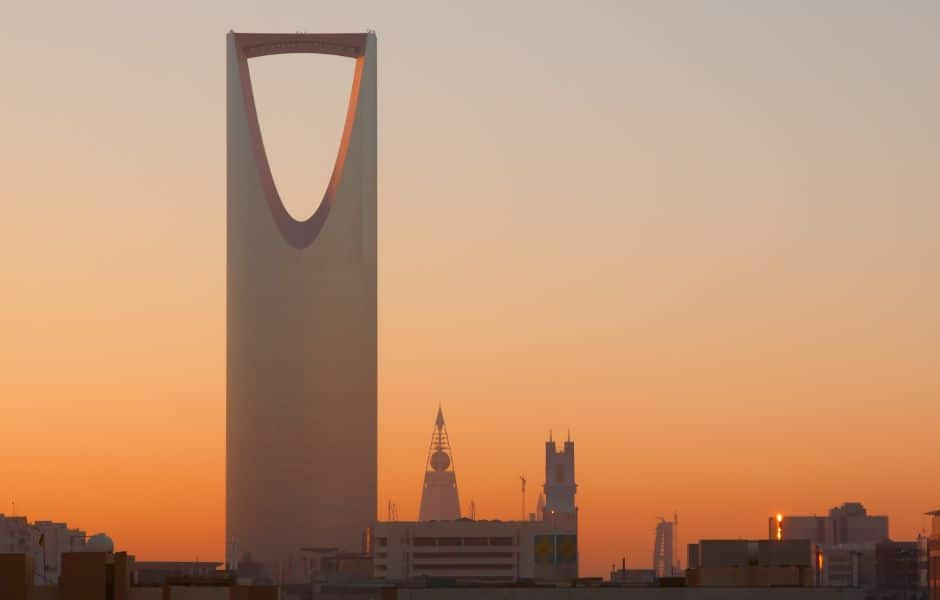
785 553
633 594
84 576
724 553
399 538
751 577
254 593
204 593
196 593
44 592
16 576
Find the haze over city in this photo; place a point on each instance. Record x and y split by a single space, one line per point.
701 238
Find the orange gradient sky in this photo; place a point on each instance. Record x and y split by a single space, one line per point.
702 236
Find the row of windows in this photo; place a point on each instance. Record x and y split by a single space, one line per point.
462 567
462 554
466 541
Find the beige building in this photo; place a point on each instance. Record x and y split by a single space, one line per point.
477 550
109 576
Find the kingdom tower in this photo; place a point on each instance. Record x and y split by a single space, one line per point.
301 343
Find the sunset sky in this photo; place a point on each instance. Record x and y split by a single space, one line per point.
704 236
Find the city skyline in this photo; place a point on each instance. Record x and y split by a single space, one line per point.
706 248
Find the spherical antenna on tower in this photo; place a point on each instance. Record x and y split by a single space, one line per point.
440 461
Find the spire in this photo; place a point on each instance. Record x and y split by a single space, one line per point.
439 499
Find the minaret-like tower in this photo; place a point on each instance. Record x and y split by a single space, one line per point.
560 486
439 500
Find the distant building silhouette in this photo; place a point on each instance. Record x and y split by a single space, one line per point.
632 577
933 556
439 497
897 566
45 543
853 550
665 548
560 487
544 549
751 563
846 524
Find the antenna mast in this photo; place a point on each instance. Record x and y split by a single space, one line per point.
522 478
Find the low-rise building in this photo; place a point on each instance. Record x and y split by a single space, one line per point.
479 550
101 575
848 566
157 573
633 577
933 556
754 564
897 566
45 542
846 524
542 549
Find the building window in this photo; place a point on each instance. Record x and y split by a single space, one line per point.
419 555
476 541
462 567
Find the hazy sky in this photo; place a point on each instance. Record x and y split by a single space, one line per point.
702 235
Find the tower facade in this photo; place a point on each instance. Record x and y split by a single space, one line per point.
560 486
439 498
301 434
665 548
